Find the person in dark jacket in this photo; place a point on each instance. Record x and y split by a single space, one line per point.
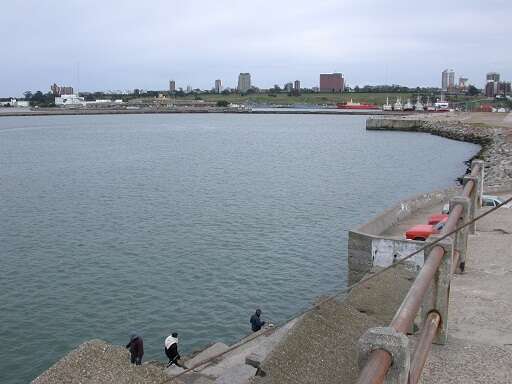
256 323
136 346
171 350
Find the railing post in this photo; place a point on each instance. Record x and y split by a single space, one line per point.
394 343
460 243
480 189
438 296
473 197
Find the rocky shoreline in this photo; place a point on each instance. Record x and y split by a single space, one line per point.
495 142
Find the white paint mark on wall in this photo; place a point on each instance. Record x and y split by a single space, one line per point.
386 251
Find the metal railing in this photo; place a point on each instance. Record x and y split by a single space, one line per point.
384 352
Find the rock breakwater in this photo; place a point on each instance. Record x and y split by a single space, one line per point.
495 142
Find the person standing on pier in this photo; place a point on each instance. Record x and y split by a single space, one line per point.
256 322
171 350
136 346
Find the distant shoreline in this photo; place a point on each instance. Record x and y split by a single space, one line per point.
275 111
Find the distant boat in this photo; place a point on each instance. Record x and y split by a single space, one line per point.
352 105
429 107
398 105
442 106
387 106
408 106
419 105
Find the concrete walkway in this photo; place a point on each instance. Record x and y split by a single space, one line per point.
231 368
479 348
322 348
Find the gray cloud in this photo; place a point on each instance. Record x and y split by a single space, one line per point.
128 44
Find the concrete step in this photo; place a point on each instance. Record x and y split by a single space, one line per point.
173 370
208 353
236 375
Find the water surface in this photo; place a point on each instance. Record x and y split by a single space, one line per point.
185 223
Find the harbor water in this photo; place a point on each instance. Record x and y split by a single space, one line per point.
186 222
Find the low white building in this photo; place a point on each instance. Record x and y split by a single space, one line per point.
15 103
70 100
22 103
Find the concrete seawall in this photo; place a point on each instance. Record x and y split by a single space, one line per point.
394 124
366 245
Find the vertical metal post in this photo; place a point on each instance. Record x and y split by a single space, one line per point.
473 197
438 296
481 175
460 243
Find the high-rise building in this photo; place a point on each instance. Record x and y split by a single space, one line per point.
172 86
58 90
451 79
296 85
463 83
189 88
504 88
244 82
493 76
448 79
491 88
55 89
332 82
218 86
288 87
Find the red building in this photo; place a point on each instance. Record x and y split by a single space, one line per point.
332 82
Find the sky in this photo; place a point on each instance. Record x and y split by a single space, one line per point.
121 45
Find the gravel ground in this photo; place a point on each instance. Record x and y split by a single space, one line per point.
95 362
323 347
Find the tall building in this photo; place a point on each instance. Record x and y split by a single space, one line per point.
504 88
172 86
296 85
189 89
491 88
493 76
58 90
244 82
218 86
332 82
55 89
448 79
288 87
451 79
463 83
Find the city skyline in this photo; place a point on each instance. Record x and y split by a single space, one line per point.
102 46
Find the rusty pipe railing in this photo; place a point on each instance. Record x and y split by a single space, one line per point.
378 364
379 361
423 348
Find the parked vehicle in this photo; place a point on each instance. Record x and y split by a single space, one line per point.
492 201
422 232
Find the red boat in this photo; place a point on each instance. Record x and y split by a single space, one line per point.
352 105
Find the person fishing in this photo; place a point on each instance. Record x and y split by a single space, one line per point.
256 322
136 346
171 350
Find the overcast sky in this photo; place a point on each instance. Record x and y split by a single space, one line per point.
119 45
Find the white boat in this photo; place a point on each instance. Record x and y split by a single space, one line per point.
408 106
442 106
419 105
398 105
429 107
387 106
